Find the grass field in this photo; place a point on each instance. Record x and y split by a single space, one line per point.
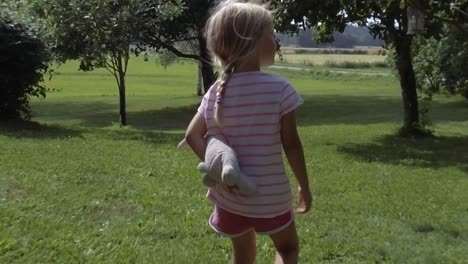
76 188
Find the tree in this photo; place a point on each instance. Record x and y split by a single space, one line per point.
100 33
23 60
187 27
385 19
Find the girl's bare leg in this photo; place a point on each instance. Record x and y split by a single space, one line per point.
287 245
244 248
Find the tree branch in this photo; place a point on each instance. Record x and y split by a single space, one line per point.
113 72
109 69
109 66
179 53
114 67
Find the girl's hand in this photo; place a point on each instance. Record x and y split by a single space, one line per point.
305 200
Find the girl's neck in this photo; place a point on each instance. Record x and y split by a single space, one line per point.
247 66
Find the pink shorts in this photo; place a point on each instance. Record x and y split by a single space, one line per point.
232 225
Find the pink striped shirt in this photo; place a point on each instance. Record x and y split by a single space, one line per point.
254 103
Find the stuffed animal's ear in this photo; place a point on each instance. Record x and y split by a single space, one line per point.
203 167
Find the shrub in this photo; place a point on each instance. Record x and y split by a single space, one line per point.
23 60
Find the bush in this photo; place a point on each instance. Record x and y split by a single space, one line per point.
464 92
23 60
441 64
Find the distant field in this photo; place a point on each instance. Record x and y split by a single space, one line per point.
322 59
355 50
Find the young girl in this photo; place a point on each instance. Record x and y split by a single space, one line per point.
254 112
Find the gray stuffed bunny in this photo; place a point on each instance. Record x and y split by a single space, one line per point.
221 165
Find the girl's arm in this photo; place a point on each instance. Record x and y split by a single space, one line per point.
295 154
195 135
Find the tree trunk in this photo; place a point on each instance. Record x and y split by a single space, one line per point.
123 101
122 96
209 76
200 80
408 86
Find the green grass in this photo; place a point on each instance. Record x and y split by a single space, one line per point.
76 188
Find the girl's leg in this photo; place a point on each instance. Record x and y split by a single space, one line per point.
287 245
244 248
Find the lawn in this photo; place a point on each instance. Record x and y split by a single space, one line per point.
77 188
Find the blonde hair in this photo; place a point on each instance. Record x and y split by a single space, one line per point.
232 33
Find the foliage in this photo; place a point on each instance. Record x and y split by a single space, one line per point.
454 62
24 11
23 59
94 32
386 19
441 64
186 27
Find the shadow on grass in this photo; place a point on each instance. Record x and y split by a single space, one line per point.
150 137
100 114
317 110
435 152
74 109
34 130
27 129
161 119
338 109
155 75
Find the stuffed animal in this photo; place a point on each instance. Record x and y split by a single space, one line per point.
221 166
